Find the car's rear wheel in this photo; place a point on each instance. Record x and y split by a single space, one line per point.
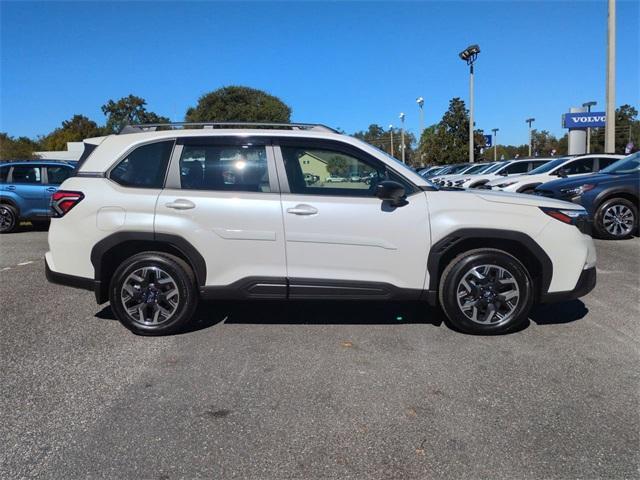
153 293
486 291
8 218
616 219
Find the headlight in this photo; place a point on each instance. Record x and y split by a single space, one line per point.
506 184
461 181
575 191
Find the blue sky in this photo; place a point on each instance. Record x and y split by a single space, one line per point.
346 64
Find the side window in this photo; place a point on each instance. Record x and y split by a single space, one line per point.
584 165
533 165
518 167
326 172
4 172
25 174
237 168
145 167
605 162
57 175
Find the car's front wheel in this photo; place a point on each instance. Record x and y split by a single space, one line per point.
153 293
616 219
486 291
8 218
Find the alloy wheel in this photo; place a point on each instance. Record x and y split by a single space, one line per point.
618 220
488 295
7 218
150 296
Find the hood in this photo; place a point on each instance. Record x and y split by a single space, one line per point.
576 182
522 199
508 178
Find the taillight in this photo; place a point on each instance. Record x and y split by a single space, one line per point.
579 218
64 200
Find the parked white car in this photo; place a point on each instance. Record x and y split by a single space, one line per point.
472 169
552 170
501 170
154 221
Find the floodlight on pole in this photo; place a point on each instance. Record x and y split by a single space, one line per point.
495 144
530 121
420 102
469 55
401 117
588 106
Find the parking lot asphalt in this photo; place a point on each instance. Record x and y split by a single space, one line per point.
317 390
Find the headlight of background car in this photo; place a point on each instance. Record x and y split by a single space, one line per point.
577 190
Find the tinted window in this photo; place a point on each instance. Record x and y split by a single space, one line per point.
628 164
537 164
231 168
145 167
26 174
57 175
605 162
4 171
584 165
517 167
547 167
330 172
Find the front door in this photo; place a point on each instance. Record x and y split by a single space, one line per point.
222 196
340 239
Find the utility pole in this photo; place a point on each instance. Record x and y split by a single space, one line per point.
530 121
610 125
402 136
391 133
588 106
469 55
420 102
495 143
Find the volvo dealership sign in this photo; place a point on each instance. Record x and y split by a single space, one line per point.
584 120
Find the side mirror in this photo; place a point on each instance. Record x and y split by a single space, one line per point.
392 192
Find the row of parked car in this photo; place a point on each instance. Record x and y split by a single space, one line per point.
606 185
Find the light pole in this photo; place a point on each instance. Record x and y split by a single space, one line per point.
469 55
402 136
420 102
391 133
530 121
610 125
589 105
495 144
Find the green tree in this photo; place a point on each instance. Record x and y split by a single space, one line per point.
448 140
337 165
76 129
130 110
543 143
627 129
21 148
239 104
379 137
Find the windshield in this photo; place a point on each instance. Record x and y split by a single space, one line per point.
398 163
477 169
457 168
547 167
496 166
628 164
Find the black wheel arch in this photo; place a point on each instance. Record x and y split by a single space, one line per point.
9 201
518 244
616 192
109 252
530 186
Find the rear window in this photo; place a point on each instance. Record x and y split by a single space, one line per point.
145 167
58 174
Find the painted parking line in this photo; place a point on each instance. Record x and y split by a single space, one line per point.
25 263
5 268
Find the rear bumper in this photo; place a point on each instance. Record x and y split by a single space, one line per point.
586 283
71 280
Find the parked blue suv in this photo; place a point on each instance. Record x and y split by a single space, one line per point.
610 196
26 189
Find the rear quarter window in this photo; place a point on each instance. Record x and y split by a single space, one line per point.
144 167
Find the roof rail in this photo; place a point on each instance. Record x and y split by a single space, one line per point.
152 127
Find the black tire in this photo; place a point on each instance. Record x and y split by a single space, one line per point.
604 219
514 314
8 218
152 293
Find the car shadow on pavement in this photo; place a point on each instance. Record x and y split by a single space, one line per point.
328 312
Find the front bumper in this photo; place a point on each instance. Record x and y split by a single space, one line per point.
586 283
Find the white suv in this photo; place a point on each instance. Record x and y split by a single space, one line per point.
155 219
551 170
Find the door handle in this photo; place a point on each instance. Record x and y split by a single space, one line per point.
52 189
180 204
11 187
302 209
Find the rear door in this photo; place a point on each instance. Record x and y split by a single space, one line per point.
221 195
25 181
341 240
